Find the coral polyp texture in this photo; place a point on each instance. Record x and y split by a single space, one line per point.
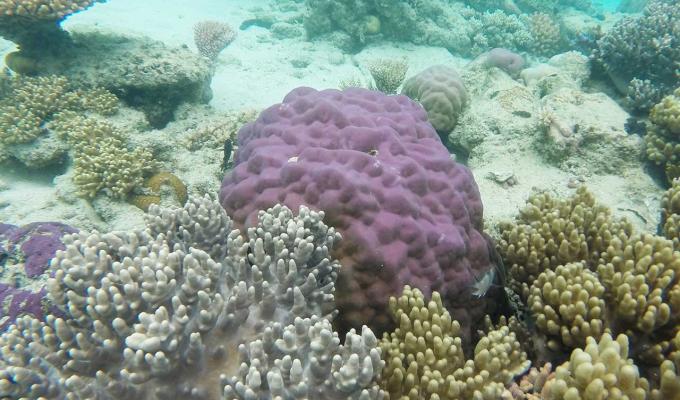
408 213
425 359
442 93
190 308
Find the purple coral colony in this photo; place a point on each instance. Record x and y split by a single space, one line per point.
455 199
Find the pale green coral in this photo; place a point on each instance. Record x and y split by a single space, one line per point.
388 74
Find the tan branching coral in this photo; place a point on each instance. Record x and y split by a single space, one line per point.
600 371
666 113
642 281
424 356
567 304
388 74
545 32
670 213
102 160
551 232
30 102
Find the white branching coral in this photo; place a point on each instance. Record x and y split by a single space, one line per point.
189 308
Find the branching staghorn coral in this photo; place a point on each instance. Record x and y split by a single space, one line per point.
425 360
190 308
102 160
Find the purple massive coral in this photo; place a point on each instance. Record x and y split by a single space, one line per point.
408 213
31 247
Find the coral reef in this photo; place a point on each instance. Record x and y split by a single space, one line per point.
425 359
440 90
189 308
407 212
498 29
211 37
143 73
214 132
102 159
645 47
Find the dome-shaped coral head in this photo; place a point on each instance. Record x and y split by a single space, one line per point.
510 62
408 213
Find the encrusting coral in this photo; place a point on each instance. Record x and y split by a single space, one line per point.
153 187
190 308
425 360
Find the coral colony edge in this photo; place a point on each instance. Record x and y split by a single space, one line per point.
350 199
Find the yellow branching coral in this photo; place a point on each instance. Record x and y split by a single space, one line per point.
424 357
102 160
567 304
600 371
642 281
666 114
29 103
551 232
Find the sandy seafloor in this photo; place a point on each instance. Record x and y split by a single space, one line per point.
257 70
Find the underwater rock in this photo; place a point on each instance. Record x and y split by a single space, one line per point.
408 213
144 73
